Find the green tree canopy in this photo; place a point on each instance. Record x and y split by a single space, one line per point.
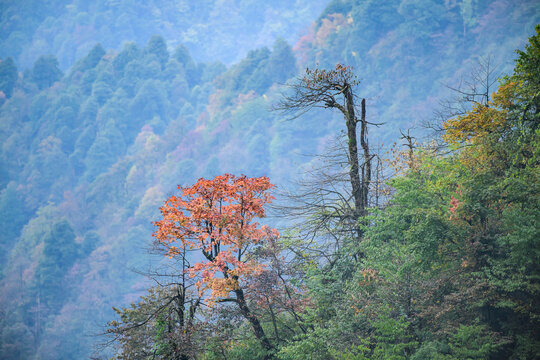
45 71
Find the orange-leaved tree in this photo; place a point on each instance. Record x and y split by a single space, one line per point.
217 217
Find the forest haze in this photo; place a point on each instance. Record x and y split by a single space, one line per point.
366 172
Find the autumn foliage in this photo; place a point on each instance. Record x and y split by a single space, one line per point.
483 118
217 217
321 79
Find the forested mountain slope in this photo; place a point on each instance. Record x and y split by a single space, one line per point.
94 137
405 52
69 29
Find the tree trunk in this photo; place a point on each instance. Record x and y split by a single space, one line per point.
354 171
366 168
255 324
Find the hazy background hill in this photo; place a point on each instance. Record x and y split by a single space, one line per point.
138 98
227 28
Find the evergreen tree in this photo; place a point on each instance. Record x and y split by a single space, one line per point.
91 60
45 71
157 46
59 253
8 76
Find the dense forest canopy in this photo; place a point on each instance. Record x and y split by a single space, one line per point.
106 107
69 29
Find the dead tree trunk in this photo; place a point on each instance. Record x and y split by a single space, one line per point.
335 89
366 167
354 173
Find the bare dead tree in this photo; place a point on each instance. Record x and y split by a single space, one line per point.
165 319
474 89
335 89
410 144
381 190
319 207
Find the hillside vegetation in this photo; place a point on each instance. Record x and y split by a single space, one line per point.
139 97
